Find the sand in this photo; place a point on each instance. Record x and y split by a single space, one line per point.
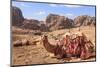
37 54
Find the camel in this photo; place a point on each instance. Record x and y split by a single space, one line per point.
76 45
50 48
55 49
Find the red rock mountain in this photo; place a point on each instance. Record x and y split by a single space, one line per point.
52 22
84 20
17 17
55 22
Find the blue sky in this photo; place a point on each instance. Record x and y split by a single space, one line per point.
39 11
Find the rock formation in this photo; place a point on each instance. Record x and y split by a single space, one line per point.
17 17
84 20
43 27
52 22
55 22
31 24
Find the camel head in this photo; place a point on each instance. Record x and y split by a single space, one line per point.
45 38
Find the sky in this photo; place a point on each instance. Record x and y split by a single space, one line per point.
39 11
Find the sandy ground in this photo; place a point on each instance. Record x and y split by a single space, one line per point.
36 53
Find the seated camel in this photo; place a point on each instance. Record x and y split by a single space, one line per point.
76 45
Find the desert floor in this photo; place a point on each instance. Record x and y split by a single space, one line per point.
36 53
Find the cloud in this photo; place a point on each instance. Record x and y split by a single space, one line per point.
25 5
40 13
69 14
